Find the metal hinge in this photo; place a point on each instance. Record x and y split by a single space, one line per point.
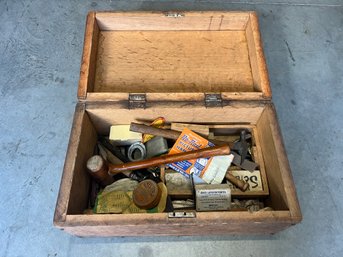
181 214
174 15
137 101
213 100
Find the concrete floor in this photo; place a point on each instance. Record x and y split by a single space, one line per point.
40 50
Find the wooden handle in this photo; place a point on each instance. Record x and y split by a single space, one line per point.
144 129
97 168
168 133
153 162
242 185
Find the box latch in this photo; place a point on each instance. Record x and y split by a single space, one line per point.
213 100
174 15
181 214
137 101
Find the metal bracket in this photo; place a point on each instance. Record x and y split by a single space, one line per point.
137 101
174 15
181 214
213 100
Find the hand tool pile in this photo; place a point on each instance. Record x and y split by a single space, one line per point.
143 168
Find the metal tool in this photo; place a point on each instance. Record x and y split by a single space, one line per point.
242 146
156 146
113 149
166 159
239 147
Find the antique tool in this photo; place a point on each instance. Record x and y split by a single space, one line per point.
157 123
136 152
102 171
241 184
147 194
242 146
156 146
167 133
98 169
115 150
246 164
172 134
166 159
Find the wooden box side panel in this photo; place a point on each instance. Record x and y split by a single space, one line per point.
89 56
105 115
281 185
172 21
73 194
212 223
257 59
241 228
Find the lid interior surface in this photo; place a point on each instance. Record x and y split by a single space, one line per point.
173 61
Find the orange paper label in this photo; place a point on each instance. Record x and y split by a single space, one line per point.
190 141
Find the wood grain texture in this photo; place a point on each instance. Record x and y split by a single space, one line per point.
105 115
165 97
258 155
281 185
205 223
173 61
283 179
89 55
257 60
73 193
162 21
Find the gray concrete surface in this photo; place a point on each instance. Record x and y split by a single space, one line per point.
40 50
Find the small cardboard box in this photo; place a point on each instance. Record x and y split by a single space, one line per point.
189 67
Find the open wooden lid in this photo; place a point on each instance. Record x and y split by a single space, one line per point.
173 57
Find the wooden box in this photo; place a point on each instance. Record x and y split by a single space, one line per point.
192 67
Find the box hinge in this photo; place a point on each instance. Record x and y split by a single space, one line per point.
213 100
181 214
137 101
